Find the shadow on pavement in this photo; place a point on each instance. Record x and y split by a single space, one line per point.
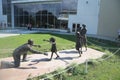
68 52
27 68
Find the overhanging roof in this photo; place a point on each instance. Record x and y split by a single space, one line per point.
63 18
33 1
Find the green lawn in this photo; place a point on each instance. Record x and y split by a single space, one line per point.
103 71
8 44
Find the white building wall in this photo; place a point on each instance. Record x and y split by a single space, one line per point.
3 18
0 7
109 18
87 13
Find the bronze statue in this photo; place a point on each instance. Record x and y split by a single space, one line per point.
53 47
78 45
22 50
84 37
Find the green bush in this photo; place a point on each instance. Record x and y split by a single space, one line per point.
76 71
93 62
73 69
45 77
108 54
59 74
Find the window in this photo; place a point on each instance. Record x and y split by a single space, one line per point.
73 27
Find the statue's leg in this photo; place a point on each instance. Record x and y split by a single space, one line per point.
85 43
57 55
24 57
51 56
79 53
16 60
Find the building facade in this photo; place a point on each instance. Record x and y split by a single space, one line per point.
87 13
42 13
100 16
109 18
4 18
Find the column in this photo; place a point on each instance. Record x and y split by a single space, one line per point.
12 15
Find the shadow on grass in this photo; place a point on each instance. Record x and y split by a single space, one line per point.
64 36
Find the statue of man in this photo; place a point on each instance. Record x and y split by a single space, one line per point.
84 37
22 50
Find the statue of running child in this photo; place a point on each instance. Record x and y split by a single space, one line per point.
53 47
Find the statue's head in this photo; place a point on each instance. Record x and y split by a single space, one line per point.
30 41
83 25
52 39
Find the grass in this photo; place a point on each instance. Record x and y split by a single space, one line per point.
106 70
8 44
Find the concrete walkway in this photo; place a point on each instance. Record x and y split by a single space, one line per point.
39 64
15 32
7 35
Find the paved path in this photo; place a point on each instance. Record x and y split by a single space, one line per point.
15 32
7 35
39 64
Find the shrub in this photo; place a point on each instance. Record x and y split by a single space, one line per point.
45 77
108 54
73 69
59 74
70 67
